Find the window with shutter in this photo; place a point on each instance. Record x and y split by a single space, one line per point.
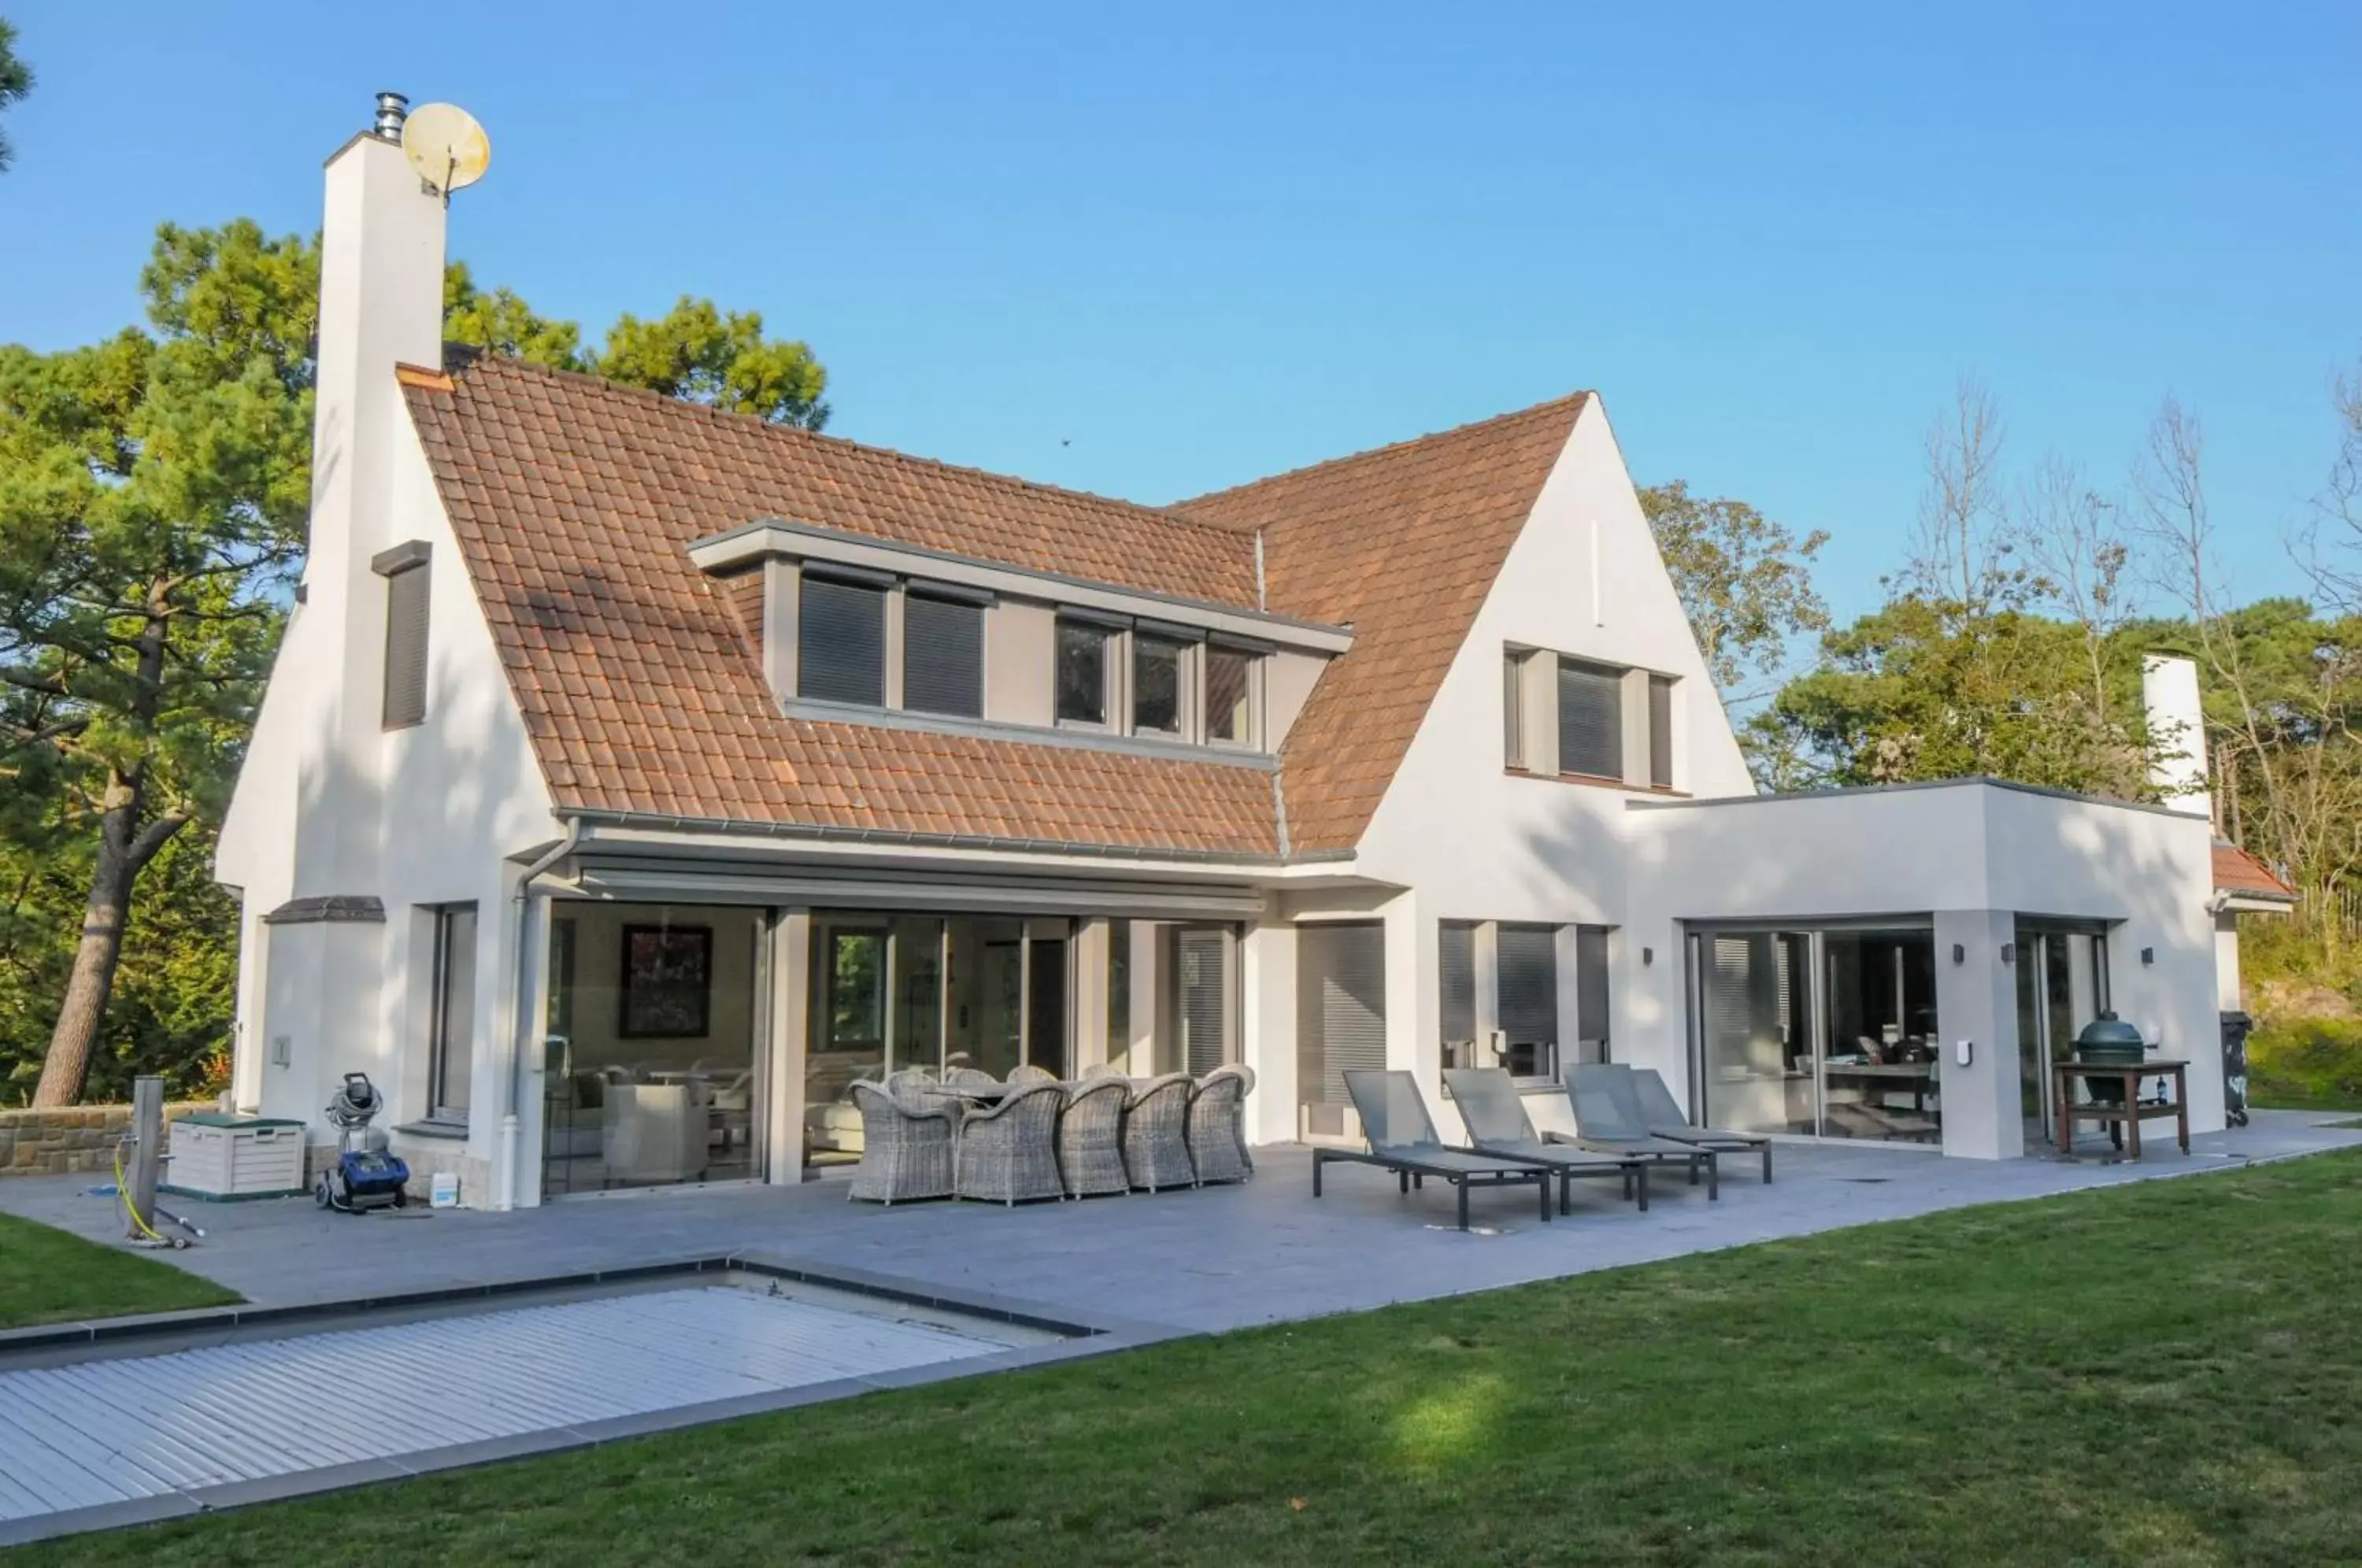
942 656
1527 966
1341 1007
1457 965
405 646
1513 709
1591 1011
1205 999
1590 720
841 642
1661 731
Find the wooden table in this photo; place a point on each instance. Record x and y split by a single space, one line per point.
1914 1078
2124 1117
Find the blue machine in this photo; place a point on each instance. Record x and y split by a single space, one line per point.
365 1175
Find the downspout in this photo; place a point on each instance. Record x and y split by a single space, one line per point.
522 1023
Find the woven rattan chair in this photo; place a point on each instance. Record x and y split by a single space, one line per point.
1212 1122
910 1086
1009 1151
1030 1074
968 1078
1246 1086
1090 1138
906 1151
1101 1070
1155 1133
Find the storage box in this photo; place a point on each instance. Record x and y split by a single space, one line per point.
218 1156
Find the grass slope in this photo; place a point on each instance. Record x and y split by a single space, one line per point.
48 1277
2164 1373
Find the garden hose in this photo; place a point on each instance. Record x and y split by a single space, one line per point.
123 1191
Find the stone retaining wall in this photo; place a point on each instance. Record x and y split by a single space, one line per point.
81 1138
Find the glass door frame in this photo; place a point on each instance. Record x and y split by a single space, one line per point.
2033 939
1819 983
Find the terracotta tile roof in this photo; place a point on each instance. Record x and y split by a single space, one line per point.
640 677
1403 542
2236 871
574 503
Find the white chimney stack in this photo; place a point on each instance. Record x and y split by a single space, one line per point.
2177 728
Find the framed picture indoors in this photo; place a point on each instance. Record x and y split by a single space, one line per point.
668 982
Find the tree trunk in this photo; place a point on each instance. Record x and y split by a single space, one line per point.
125 847
66 1068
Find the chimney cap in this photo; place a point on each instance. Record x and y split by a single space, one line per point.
393 108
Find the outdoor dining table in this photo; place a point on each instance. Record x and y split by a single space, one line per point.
2123 1116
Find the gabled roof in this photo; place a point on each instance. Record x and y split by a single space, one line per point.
575 502
1404 543
2240 874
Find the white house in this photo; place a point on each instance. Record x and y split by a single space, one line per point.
634 776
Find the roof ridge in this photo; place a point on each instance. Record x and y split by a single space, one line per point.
1573 399
1163 513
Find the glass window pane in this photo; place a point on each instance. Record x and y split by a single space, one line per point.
454 1009
918 1022
1082 673
1045 1016
988 994
841 642
1228 689
1156 684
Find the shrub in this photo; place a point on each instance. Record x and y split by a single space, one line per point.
2306 1062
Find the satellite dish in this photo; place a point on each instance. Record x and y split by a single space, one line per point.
447 147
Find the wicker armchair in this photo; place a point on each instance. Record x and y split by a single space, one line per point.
1246 1086
1156 1135
1101 1070
909 1085
1216 1107
1090 1138
968 1078
906 1151
1030 1074
1009 1151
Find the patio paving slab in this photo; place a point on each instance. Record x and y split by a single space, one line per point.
1194 1261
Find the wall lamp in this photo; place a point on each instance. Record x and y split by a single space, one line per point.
1960 954
2009 952
2148 955
1647 956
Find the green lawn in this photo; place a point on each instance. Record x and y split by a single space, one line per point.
2161 1374
48 1277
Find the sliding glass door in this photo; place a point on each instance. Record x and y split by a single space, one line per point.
1821 1031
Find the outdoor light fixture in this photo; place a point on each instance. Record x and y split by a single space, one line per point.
2148 955
1647 956
2009 952
1960 954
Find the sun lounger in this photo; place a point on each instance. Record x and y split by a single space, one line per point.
1495 1115
1402 1139
1607 1118
1663 1115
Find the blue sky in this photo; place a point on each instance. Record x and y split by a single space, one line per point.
1154 251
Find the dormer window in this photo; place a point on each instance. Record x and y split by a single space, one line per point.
1082 672
1230 695
1160 684
841 641
942 655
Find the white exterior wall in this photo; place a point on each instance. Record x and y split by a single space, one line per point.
1963 853
1479 842
331 803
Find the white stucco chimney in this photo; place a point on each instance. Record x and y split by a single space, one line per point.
380 305
2178 731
